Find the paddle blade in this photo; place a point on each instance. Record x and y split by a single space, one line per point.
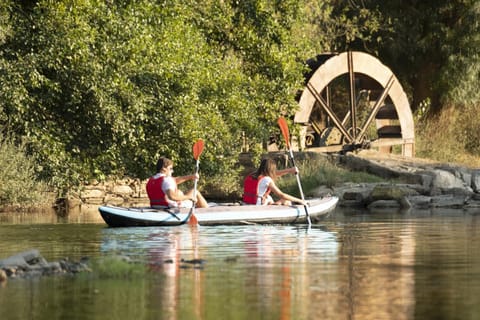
284 128
198 149
193 220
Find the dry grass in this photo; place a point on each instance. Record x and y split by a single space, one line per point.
452 136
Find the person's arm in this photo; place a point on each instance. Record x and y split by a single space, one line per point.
172 192
283 195
178 196
182 179
292 170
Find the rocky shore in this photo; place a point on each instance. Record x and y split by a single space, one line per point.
418 183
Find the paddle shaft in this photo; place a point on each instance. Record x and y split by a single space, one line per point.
197 168
197 151
297 175
286 135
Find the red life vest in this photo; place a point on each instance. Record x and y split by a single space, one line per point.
155 193
250 190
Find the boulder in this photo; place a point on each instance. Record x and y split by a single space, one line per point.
448 201
443 179
390 192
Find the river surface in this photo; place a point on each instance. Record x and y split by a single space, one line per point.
352 265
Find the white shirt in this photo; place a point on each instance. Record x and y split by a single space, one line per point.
262 188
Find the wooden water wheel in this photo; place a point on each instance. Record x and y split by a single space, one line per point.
351 100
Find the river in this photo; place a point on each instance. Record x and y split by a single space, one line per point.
352 265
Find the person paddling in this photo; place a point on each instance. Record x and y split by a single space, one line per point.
258 185
163 192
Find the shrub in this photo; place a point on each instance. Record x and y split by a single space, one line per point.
18 184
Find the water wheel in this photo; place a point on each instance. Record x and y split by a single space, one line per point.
351 100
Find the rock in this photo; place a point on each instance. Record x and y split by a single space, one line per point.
384 204
448 201
123 190
445 179
405 203
390 192
466 177
351 203
92 193
73 202
322 191
113 200
476 181
465 192
420 201
23 259
30 264
475 196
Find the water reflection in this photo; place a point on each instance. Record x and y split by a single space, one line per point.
355 265
262 266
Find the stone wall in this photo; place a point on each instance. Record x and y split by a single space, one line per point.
124 192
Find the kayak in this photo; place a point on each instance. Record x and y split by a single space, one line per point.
221 214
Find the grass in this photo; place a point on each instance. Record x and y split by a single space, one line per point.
451 136
321 172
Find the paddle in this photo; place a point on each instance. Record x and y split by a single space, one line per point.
197 151
286 135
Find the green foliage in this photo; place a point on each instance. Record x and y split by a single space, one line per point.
18 183
101 88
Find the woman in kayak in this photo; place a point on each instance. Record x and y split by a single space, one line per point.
258 185
163 192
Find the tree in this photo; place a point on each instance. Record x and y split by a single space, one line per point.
103 88
432 46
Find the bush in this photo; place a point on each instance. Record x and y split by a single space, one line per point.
18 184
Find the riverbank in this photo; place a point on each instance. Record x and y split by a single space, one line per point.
416 183
412 183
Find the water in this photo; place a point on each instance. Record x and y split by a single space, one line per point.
353 265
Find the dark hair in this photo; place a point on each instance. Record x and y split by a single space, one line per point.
267 167
163 163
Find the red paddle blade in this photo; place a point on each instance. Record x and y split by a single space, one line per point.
198 149
284 128
193 220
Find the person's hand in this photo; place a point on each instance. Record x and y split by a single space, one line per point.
303 202
196 176
296 170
